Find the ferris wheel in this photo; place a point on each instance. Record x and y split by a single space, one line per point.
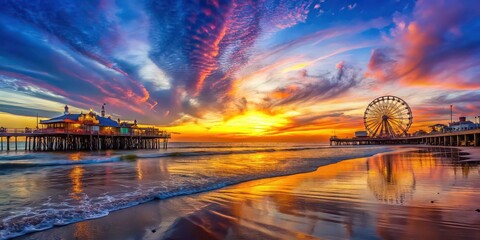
387 116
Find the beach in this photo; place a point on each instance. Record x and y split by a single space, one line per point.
50 189
423 193
229 119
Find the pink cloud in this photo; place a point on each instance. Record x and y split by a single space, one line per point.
436 47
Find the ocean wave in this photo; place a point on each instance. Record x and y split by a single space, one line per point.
240 146
219 147
44 163
58 214
202 153
18 157
31 160
209 153
51 214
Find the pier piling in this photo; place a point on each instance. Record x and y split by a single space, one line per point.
80 141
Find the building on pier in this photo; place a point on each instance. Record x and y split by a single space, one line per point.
460 138
462 125
86 131
95 124
388 118
437 128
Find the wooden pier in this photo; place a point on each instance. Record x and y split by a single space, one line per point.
459 138
78 140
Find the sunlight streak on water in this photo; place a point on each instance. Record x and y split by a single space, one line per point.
426 194
76 177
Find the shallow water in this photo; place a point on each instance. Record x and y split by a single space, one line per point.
42 190
422 194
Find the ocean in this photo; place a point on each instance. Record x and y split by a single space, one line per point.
40 190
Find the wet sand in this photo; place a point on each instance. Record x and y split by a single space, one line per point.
430 193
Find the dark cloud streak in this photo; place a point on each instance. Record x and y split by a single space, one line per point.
317 88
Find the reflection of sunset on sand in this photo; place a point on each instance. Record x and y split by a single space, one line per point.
335 201
409 194
76 178
390 179
82 231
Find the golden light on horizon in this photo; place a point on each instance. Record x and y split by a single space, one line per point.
253 123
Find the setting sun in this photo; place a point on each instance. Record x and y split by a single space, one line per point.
253 123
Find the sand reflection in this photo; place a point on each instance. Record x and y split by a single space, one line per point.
423 194
404 194
82 231
390 179
151 169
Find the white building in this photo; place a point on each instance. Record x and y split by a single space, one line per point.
462 125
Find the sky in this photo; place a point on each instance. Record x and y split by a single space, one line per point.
239 70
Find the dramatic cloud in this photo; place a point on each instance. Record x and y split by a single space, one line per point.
437 46
309 88
465 103
147 57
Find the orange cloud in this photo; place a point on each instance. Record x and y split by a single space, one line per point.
285 92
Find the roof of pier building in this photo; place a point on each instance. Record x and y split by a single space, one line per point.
67 118
90 118
81 118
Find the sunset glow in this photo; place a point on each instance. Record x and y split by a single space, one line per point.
239 71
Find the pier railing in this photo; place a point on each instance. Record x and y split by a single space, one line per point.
30 131
77 139
15 130
469 137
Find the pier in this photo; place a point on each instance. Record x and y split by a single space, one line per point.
84 132
457 138
66 140
387 120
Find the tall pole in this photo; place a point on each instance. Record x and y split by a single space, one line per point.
37 121
451 114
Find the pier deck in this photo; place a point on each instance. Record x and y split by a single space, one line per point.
458 138
65 140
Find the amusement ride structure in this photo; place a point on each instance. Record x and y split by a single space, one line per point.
387 117
387 120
